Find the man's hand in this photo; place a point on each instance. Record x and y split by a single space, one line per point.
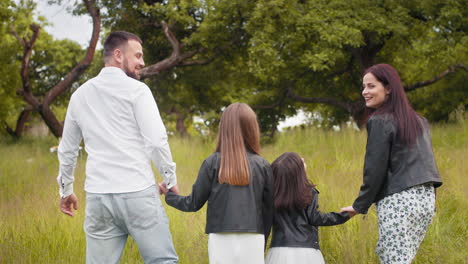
66 204
163 188
350 210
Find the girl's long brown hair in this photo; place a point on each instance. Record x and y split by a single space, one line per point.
238 132
292 188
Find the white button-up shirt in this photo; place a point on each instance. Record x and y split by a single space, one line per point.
119 121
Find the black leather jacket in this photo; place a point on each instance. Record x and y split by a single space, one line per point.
299 228
231 208
390 166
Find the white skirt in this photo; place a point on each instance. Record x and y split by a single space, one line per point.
294 255
235 248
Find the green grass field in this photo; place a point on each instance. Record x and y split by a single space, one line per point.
32 230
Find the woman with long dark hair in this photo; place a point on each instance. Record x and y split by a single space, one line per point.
296 215
238 185
400 173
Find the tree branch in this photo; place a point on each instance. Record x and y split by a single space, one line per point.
198 62
76 72
283 95
22 41
437 78
176 58
322 100
28 45
169 62
260 107
218 52
43 108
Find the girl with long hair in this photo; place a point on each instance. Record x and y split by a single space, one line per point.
400 173
238 185
296 215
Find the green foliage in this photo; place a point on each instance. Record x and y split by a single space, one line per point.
436 105
51 59
211 25
260 49
319 48
10 70
325 45
30 219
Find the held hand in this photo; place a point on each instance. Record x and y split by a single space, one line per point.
175 189
67 203
350 210
162 188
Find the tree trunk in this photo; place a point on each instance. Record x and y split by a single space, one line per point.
20 124
180 124
50 120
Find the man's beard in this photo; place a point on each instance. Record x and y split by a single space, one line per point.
128 72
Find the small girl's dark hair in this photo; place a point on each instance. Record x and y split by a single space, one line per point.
292 188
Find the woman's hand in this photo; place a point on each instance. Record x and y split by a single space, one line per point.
350 210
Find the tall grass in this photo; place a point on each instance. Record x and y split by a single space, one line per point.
32 230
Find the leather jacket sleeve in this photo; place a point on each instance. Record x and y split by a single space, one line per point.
379 141
268 209
317 218
200 192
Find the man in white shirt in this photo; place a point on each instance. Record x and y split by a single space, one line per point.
118 119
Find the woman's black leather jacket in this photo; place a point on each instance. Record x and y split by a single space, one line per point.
391 166
299 228
231 208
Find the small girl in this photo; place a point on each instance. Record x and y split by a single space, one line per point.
238 185
296 215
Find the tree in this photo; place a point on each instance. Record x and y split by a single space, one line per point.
177 35
294 54
322 47
282 55
10 66
44 84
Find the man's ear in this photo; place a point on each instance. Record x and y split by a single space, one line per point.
118 56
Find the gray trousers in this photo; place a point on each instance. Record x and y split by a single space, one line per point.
110 218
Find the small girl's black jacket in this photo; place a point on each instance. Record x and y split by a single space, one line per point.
299 228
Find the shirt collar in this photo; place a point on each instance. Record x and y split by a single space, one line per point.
112 70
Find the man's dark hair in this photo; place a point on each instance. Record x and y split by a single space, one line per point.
116 40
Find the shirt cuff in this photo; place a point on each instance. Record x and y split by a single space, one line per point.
65 189
171 183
